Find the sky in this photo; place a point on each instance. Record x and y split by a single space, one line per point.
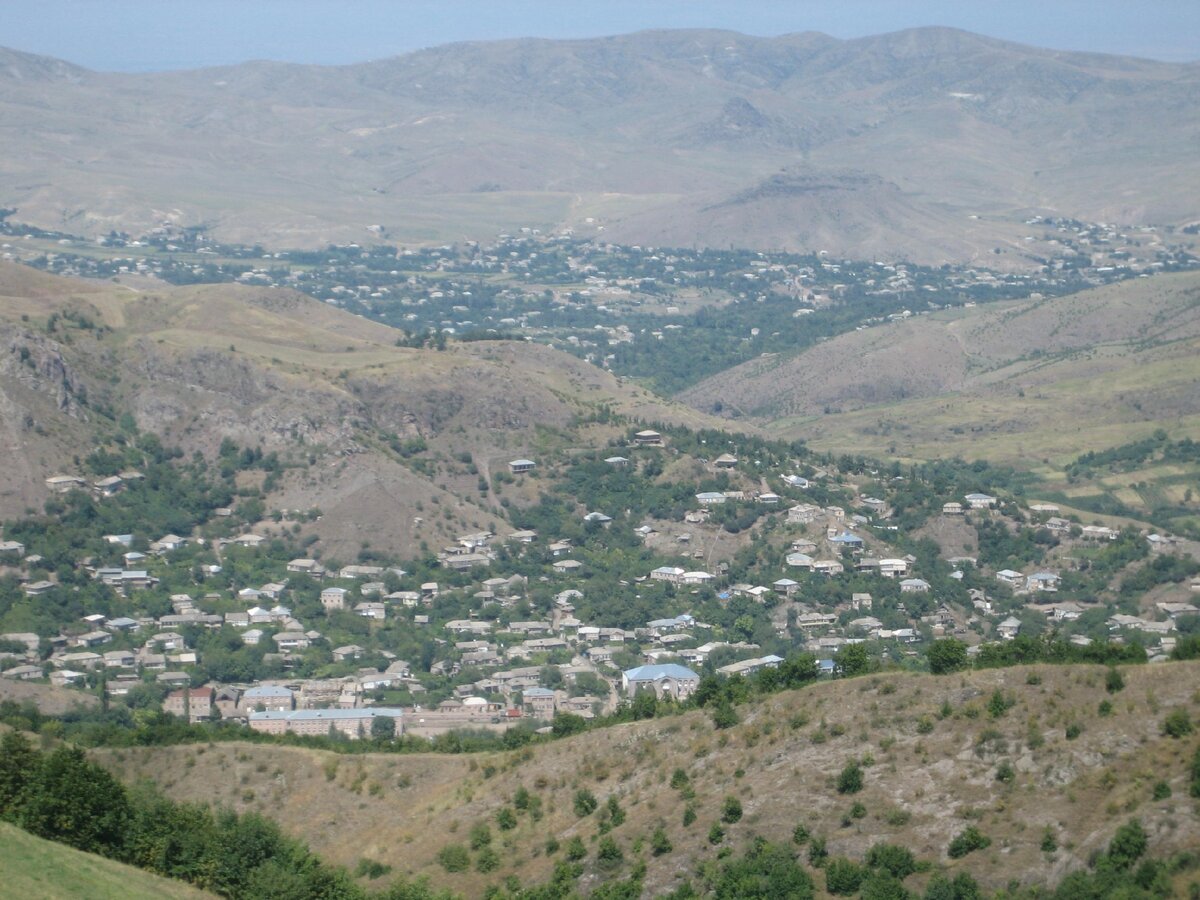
145 35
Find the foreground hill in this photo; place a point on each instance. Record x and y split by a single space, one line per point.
34 867
1057 755
931 144
270 368
1009 381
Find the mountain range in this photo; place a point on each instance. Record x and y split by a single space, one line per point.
931 144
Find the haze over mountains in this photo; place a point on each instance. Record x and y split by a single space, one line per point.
931 144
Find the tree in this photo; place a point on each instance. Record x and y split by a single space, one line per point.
893 859
585 802
383 728
1178 724
843 876
967 841
18 765
947 655
850 781
731 811
766 872
76 802
659 842
852 660
1127 846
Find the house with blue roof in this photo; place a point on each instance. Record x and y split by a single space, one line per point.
666 680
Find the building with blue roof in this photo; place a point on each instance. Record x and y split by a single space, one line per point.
666 680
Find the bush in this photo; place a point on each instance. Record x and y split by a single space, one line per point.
689 815
585 802
1049 842
800 835
1127 846
716 834
506 819
1113 680
731 811
487 861
575 849
1162 790
1178 724
947 655
968 841
842 876
850 781
998 705
1105 709
679 779
608 854
481 836
659 842
893 859
1005 773
454 858
817 854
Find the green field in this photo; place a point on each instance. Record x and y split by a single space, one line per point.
35 868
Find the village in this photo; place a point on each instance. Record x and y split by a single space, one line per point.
507 649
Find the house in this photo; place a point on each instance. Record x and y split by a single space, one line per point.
264 697
252 637
520 466
750 666
356 571
61 484
668 680
306 567
539 702
1042 581
334 598
696 578
710 498
648 438
618 462
846 539
803 514
349 651
566 566
786 586
796 481
66 677
769 498
828 567
377 611
874 504
672 574
890 568
167 543
598 518
194 704
525 536
37 588
1098 533
799 561
980 501
12 549
1009 628
1010 577
291 640
914 585
953 508
725 461
1057 525
249 540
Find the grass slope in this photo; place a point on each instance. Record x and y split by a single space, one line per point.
34 867
928 775
1021 381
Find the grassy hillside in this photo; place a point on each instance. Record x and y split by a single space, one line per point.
1048 757
1024 381
37 868
327 390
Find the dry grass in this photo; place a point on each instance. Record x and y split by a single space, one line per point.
926 777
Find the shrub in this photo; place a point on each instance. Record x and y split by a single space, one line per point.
843 876
1128 844
850 781
1113 680
608 853
506 819
1049 842
659 842
1105 709
967 841
1073 731
481 836
895 860
1177 724
800 835
1162 790
716 834
585 802
487 861
689 815
679 779
731 811
1194 790
1005 772
817 854
998 705
575 849
454 858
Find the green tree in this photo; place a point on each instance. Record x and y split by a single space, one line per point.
967 841
731 810
765 872
893 859
585 802
947 655
843 876
76 802
850 781
18 765
851 660
383 728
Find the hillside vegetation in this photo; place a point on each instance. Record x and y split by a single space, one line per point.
1017 381
34 867
1045 761
331 392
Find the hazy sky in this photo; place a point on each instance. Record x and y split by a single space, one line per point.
135 35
